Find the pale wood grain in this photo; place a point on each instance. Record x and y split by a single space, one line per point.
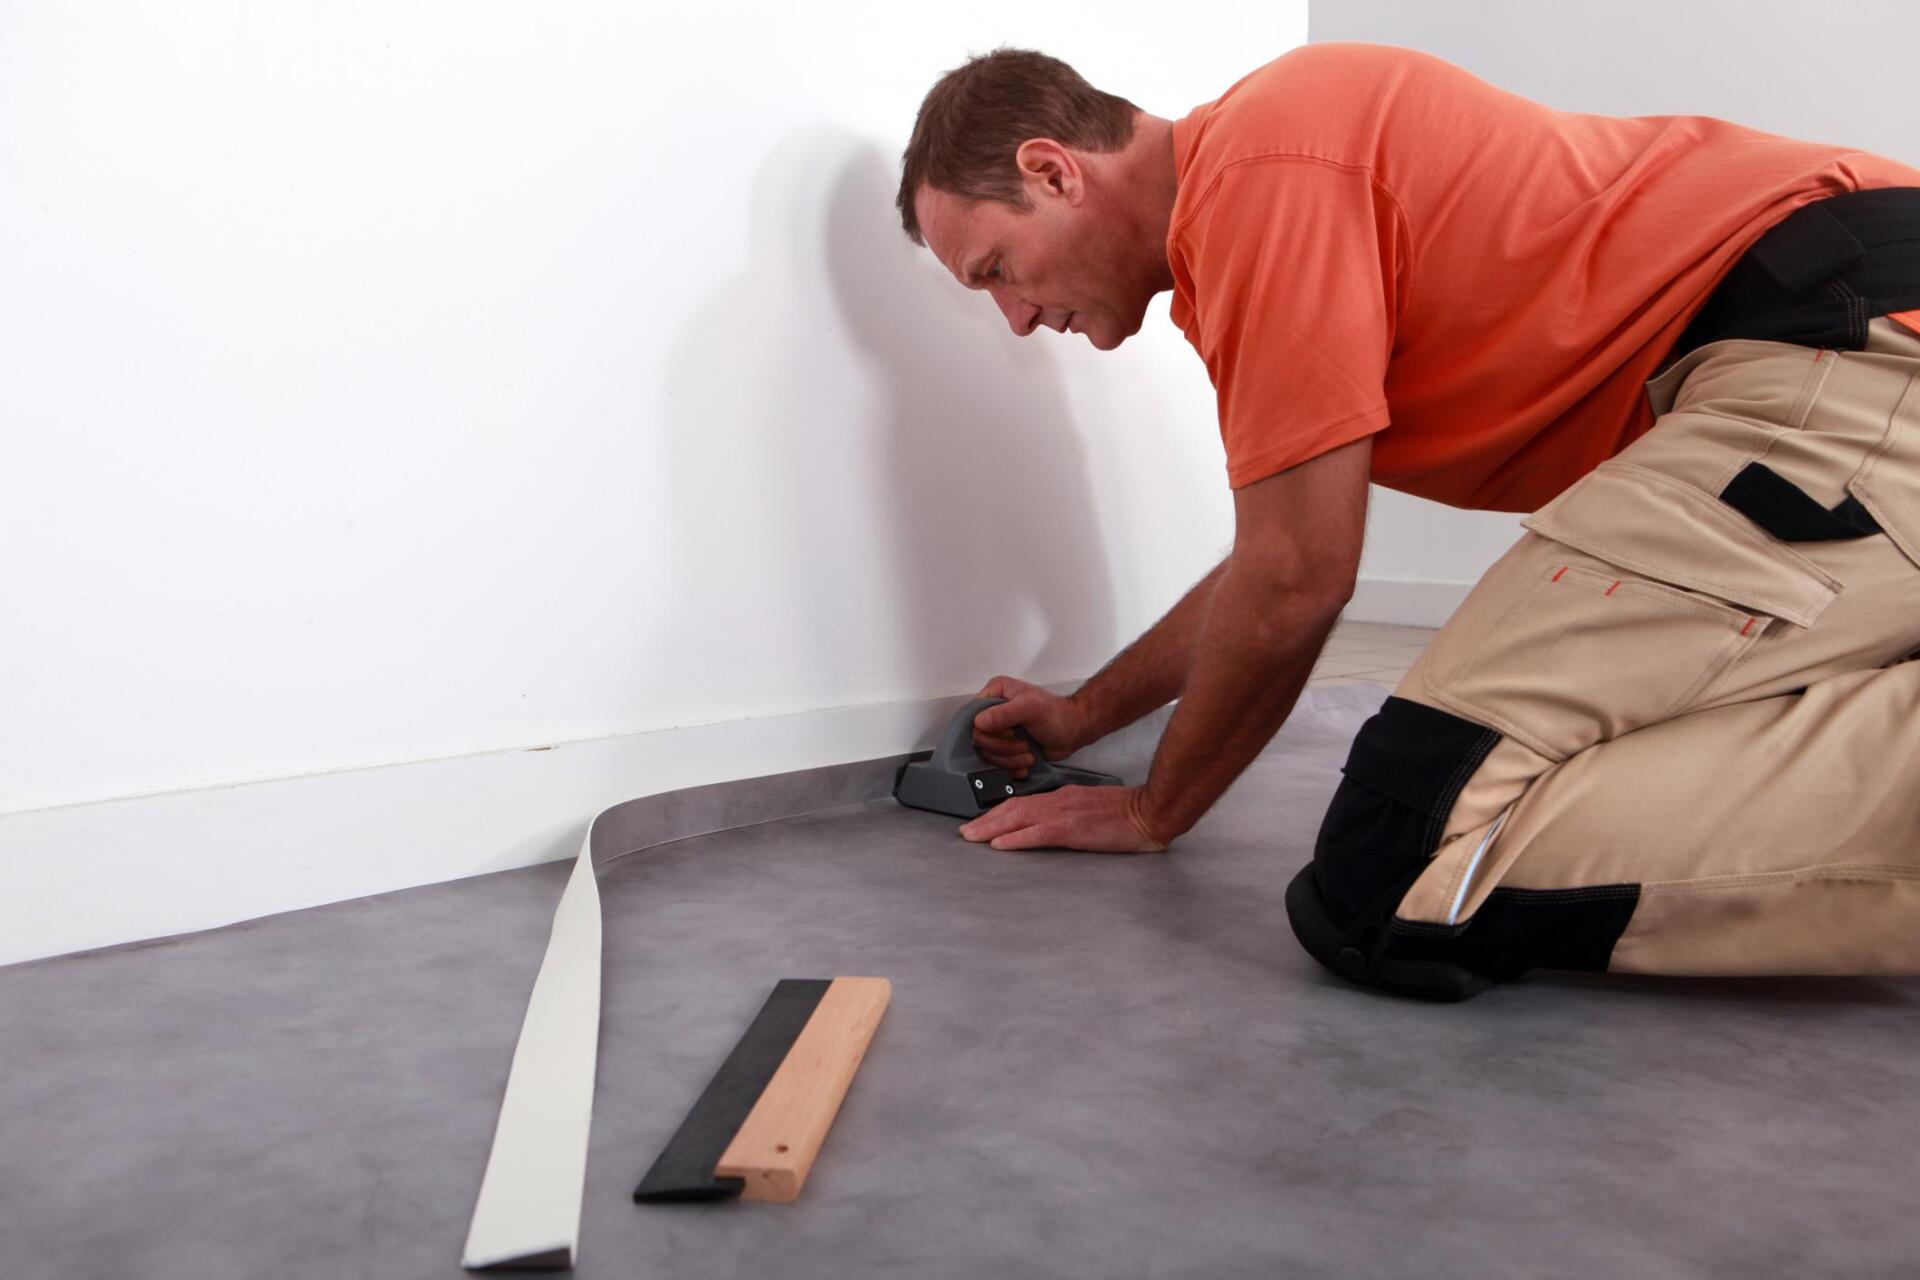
775 1149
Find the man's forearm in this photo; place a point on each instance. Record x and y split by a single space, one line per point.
1151 671
1255 650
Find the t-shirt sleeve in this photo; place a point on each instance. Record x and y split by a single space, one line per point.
1294 264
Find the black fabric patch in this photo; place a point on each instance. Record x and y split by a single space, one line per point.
1403 773
1818 275
1406 769
1789 512
1807 247
684 1170
1520 929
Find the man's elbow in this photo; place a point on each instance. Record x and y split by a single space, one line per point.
1335 590
1323 602
1302 595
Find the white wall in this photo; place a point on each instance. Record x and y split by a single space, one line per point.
390 383
383 382
390 392
1843 74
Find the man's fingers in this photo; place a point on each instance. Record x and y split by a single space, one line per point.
995 722
1005 743
1008 815
1073 817
1004 750
1041 835
1008 758
998 721
995 688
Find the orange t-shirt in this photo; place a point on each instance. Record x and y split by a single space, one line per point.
1371 239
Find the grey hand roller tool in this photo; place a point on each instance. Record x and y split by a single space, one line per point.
956 780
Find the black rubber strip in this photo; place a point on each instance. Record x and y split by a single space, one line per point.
684 1170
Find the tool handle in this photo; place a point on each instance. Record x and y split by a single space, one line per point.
956 752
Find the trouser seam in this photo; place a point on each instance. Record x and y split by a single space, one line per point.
1756 879
1811 385
1443 808
1856 307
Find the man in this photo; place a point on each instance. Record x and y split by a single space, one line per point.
1672 729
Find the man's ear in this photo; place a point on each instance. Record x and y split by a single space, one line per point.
1049 171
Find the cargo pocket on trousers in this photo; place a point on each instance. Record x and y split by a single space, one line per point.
1635 601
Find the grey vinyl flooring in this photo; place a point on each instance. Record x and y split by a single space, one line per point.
1093 1066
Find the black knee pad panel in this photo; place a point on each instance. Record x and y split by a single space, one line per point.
1403 773
1406 769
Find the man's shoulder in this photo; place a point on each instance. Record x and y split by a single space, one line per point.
1345 105
1337 67
1324 100
1320 105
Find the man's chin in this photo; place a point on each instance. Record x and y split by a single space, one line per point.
1107 339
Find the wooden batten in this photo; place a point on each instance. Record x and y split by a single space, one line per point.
775 1148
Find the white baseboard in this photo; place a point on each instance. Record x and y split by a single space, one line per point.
79 876
74 877
1411 604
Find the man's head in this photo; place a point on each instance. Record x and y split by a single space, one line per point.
1027 182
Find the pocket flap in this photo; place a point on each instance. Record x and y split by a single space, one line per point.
1665 529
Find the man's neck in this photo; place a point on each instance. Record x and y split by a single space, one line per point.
1145 183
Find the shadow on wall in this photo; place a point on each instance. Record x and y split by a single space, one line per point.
990 485
880 495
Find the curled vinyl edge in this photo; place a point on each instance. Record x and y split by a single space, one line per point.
528 1211
527 1215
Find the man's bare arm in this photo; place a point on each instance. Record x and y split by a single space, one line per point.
1296 553
1151 671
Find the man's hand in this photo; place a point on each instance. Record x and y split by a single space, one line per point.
1060 725
1098 819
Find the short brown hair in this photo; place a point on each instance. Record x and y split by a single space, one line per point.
976 116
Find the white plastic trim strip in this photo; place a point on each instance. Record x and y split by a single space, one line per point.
528 1211
528 1214
1466 878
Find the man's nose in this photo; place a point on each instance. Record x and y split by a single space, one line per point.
1021 316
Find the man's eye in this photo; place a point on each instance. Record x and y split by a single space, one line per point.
993 272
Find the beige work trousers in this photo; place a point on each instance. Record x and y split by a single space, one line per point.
1692 708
